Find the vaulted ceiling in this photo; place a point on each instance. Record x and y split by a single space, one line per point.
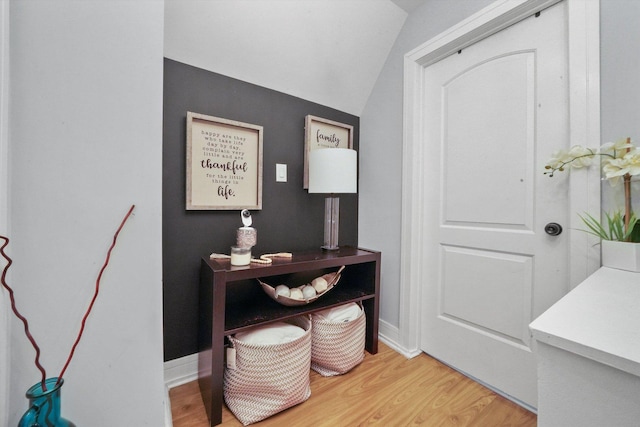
326 51
409 5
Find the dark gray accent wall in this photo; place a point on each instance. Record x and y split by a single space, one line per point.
290 219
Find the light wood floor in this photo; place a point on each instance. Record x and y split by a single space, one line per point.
386 389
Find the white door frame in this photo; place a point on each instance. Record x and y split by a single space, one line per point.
584 127
4 206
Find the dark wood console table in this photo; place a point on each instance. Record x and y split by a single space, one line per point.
232 300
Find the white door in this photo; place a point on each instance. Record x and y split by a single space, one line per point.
494 112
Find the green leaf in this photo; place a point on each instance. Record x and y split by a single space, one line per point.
594 226
634 235
615 229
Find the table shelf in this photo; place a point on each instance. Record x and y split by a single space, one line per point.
231 299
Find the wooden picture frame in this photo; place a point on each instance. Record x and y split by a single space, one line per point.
224 164
323 133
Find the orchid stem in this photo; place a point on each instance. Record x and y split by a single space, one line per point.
627 200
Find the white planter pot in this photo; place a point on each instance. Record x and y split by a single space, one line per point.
621 255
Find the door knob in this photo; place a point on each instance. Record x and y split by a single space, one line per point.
553 229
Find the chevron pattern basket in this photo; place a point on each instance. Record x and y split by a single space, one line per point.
337 347
268 378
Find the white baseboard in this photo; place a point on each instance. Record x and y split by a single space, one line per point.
390 335
185 369
387 332
177 372
168 416
181 371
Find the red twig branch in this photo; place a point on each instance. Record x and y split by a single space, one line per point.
17 313
95 295
84 319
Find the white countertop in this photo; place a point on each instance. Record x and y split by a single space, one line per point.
599 320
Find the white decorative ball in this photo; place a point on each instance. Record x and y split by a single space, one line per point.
296 294
319 284
283 290
308 292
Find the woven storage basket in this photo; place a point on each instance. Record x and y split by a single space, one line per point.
337 347
268 379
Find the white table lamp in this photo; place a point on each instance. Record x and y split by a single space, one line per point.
332 171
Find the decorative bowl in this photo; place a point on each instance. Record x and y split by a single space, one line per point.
331 278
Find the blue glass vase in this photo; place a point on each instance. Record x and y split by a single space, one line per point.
44 406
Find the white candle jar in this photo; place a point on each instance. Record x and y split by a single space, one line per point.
240 256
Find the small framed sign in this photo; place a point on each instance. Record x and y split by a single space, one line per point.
322 133
224 164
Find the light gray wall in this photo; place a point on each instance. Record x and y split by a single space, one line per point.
4 199
620 84
85 143
381 145
381 122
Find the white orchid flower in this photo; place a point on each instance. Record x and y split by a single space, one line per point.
620 160
580 156
577 157
617 168
633 159
614 150
613 170
558 158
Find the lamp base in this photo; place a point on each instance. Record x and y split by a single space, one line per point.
331 220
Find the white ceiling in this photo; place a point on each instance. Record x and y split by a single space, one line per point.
409 5
325 51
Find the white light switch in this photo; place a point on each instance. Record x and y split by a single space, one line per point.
281 172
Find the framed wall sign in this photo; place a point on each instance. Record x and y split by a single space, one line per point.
224 164
322 133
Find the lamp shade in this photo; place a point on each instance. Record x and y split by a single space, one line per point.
333 170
